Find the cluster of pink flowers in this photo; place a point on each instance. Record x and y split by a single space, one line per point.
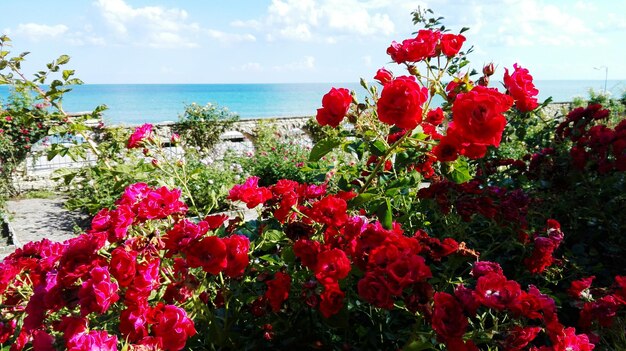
118 264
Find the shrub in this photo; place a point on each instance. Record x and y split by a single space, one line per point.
427 240
201 127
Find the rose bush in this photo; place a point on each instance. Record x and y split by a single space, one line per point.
422 237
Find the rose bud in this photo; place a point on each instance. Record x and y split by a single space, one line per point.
483 81
383 76
175 139
489 69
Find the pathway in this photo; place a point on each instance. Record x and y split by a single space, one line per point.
36 219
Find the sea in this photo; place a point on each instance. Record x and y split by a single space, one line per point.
132 104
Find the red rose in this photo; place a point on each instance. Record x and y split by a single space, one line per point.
451 44
520 86
485 267
495 291
478 115
519 337
183 233
383 76
97 293
237 247
215 221
332 265
568 340
578 286
172 326
407 270
122 265
335 106
448 320
330 210
250 193
331 300
133 322
401 103
448 149
412 50
307 250
373 289
208 253
278 290
435 117
541 257
147 277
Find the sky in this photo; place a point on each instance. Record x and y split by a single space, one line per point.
287 41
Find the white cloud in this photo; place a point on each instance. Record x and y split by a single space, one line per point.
530 23
325 21
250 67
306 64
229 37
36 32
160 27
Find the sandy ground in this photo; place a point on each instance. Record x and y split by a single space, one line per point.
36 219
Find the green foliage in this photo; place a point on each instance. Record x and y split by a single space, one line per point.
318 132
32 114
278 156
200 127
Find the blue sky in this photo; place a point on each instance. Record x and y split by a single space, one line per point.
275 41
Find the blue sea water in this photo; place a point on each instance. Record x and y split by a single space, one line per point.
142 103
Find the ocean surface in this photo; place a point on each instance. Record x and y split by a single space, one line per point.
142 103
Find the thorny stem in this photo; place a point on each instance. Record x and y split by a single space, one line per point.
383 159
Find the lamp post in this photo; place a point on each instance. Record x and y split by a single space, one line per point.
606 75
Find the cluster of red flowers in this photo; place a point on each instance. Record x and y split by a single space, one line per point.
117 263
427 44
543 248
598 305
395 268
494 291
506 207
335 106
596 146
477 122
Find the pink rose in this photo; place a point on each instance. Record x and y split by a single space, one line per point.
520 86
140 135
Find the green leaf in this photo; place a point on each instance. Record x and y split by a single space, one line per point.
459 171
378 148
361 199
67 74
63 59
322 148
384 214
